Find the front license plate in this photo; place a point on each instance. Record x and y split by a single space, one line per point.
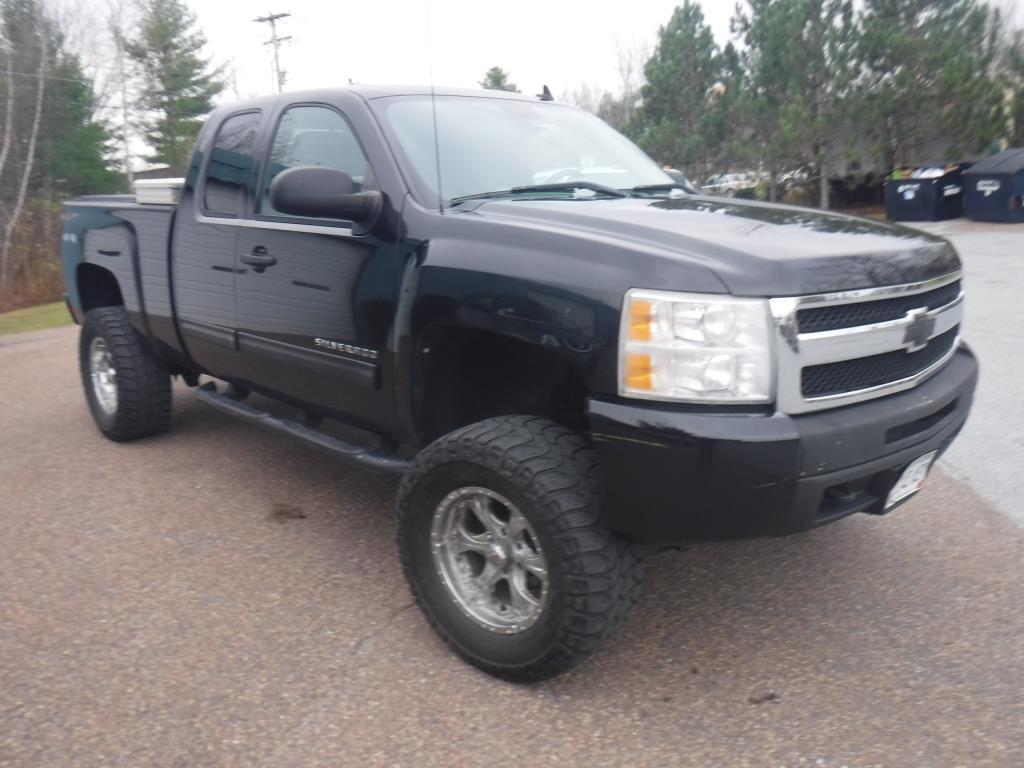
911 480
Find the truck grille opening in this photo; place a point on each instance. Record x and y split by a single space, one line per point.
817 319
866 372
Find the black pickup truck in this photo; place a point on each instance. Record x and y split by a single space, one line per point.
570 360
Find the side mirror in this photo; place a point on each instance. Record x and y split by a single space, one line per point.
318 192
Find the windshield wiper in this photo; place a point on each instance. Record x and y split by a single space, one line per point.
654 188
566 186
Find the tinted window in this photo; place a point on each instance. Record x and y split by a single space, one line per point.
315 136
231 165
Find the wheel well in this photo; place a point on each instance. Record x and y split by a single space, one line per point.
97 287
469 375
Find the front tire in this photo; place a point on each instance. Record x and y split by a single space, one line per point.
127 387
506 551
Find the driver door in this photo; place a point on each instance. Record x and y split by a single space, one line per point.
309 291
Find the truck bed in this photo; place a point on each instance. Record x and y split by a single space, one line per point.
130 239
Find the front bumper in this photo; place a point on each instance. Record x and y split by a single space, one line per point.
671 476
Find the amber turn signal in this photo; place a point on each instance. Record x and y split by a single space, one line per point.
639 371
640 320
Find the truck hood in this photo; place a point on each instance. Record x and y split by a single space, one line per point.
755 249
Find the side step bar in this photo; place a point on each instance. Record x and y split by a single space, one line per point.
353 454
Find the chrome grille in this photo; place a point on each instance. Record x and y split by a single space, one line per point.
864 372
831 318
841 348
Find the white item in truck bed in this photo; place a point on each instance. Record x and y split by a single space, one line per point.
158 191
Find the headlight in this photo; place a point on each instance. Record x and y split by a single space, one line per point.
695 347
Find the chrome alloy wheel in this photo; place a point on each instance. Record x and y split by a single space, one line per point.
103 375
489 557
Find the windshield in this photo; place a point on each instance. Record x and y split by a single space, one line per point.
493 145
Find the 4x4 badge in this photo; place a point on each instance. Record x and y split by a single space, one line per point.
919 331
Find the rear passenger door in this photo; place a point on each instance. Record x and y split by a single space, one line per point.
313 297
205 244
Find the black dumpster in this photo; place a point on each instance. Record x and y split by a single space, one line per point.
995 186
927 193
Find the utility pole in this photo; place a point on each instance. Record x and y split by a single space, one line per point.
272 19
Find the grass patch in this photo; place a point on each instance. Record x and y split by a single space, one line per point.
35 318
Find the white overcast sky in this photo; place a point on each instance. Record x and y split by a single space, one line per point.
561 43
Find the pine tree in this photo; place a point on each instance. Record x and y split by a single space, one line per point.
497 79
928 83
50 145
75 148
1015 78
179 84
678 122
798 65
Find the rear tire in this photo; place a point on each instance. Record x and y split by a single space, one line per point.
127 387
535 481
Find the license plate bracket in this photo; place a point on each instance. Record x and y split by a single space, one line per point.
910 480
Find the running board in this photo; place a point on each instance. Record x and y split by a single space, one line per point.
353 454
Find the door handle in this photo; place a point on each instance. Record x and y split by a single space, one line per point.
258 259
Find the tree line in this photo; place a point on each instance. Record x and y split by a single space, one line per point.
804 87
805 84
801 88
70 127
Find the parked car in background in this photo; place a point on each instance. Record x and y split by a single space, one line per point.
732 184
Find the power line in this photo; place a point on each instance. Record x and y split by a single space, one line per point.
272 19
35 76
84 81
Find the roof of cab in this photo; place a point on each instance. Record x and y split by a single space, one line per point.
373 92
380 91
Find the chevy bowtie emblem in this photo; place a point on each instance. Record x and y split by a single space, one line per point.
919 331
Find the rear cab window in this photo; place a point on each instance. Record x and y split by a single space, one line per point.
231 169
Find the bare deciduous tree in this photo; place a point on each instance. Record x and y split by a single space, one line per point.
9 102
26 174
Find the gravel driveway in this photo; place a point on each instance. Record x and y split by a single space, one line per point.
989 454
219 596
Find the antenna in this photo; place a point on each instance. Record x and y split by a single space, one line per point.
272 19
433 109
